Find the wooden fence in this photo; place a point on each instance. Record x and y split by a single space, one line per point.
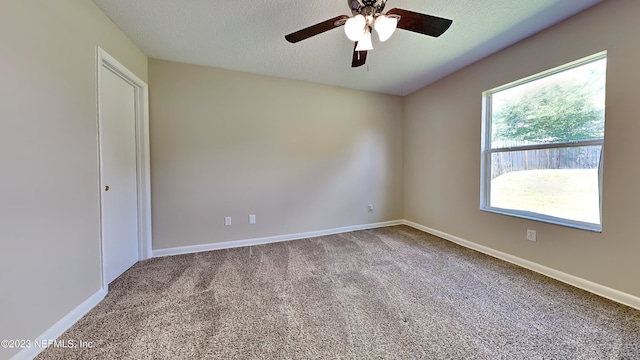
581 157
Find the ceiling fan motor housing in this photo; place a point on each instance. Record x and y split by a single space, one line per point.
366 7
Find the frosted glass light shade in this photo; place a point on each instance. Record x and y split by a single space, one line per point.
385 26
365 41
354 27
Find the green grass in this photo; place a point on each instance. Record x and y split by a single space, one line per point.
566 193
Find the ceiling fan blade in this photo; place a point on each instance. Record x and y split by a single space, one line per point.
316 29
359 57
421 23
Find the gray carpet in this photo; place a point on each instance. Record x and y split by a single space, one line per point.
388 293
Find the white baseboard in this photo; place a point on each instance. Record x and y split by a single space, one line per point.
61 326
606 292
266 240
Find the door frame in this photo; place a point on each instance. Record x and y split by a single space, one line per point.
143 170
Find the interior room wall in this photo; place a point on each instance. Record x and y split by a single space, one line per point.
300 156
49 193
442 151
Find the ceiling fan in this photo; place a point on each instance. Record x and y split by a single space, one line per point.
368 14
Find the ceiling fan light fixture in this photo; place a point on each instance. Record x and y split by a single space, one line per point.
364 43
385 26
354 28
367 15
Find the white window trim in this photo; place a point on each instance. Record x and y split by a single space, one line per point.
486 151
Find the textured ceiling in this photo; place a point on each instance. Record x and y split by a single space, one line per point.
248 35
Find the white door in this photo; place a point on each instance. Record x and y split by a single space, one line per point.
117 124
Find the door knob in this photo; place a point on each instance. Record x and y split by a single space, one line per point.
106 188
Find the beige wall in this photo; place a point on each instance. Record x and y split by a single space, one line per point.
49 190
442 151
300 156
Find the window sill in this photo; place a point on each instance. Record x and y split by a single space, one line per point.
545 219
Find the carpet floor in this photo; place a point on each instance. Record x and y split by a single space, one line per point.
387 293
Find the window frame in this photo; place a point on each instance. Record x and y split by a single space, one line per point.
487 151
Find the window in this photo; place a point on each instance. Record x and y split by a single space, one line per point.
542 145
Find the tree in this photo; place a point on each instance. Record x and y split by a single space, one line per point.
558 112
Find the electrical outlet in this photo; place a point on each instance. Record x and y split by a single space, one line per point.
252 219
531 235
227 220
